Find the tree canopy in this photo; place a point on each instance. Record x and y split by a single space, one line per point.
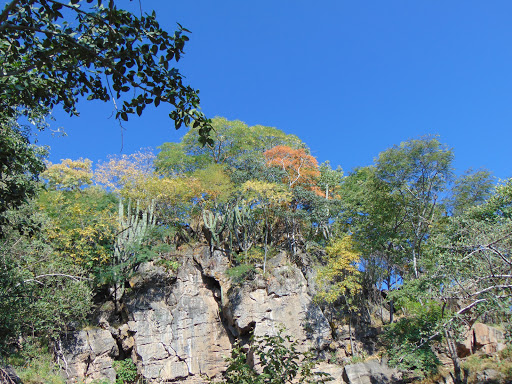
54 52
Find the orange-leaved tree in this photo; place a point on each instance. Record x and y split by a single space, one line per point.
300 168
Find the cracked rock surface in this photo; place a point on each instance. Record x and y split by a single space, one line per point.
179 334
179 328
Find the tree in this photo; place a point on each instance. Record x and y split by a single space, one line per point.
42 293
329 179
467 272
69 174
418 170
54 52
235 145
85 234
376 218
265 196
470 189
338 280
301 168
20 164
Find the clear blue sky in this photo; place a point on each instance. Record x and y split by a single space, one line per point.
350 78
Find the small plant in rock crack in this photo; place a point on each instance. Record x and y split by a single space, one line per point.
280 362
126 371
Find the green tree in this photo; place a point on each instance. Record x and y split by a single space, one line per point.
42 293
418 170
54 52
376 218
467 272
470 189
235 145
20 165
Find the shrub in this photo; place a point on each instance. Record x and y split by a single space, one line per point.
280 362
241 272
126 371
408 343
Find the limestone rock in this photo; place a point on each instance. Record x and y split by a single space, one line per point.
179 327
335 371
89 355
285 302
371 372
488 376
179 333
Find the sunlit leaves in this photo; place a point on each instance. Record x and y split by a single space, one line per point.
69 174
339 279
301 168
82 224
52 57
261 191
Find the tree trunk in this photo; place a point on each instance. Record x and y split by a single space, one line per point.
266 239
452 349
352 348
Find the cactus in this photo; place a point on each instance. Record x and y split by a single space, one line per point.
215 224
241 224
133 228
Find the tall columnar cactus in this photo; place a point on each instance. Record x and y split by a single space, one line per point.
242 225
215 224
134 225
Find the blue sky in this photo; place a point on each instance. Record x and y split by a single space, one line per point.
350 78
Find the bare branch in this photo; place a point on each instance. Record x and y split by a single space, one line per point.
34 279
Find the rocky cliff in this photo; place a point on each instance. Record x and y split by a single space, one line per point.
179 327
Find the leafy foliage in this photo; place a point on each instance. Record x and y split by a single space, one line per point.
408 342
340 277
126 371
69 174
20 165
279 362
85 234
54 52
41 293
301 168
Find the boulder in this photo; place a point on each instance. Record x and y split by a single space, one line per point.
371 372
481 337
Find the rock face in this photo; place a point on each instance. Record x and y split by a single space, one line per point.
179 328
263 307
89 355
371 372
179 334
483 338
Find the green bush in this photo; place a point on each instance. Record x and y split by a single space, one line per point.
35 365
280 361
408 344
241 272
126 371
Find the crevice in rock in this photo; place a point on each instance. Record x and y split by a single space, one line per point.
124 353
214 286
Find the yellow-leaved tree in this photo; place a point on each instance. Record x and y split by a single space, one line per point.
82 223
339 279
69 174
